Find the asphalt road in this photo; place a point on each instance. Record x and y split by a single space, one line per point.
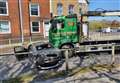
92 75
10 67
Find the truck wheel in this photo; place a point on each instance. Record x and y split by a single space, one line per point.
68 46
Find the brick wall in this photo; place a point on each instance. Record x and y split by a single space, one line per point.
14 17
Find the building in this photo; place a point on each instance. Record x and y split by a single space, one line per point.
66 7
29 19
23 18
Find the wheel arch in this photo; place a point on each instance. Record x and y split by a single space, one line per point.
68 43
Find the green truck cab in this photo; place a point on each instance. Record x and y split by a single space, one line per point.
64 31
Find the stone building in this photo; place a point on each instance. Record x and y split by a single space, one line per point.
66 7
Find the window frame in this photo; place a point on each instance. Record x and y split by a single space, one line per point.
69 10
32 27
80 11
6 8
58 4
37 7
9 25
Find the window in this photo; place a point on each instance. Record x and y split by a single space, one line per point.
59 9
71 9
34 9
4 27
35 27
3 7
80 11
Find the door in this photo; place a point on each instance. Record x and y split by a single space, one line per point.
85 29
46 28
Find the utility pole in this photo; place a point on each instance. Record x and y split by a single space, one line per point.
21 21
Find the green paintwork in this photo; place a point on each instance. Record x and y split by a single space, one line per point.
66 34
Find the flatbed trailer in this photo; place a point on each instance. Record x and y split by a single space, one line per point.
89 42
100 41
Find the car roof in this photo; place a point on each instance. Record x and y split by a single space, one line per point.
39 43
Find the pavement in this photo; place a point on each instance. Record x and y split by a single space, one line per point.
8 48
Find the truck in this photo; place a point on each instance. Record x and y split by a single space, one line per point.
68 32
64 31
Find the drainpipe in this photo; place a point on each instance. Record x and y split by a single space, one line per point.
21 21
50 6
29 21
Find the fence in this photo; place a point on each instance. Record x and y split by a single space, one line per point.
11 41
92 36
104 36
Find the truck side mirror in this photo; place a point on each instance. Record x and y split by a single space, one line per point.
63 25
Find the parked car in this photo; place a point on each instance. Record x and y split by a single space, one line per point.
108 30
101 30
44 56
118 30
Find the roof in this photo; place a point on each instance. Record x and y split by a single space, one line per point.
83 1
87 1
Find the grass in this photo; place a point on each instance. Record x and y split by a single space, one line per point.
12 80
26 78
51 75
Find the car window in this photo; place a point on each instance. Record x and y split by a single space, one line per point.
30 48
43 46
20 49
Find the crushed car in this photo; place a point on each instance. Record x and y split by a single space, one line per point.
43 56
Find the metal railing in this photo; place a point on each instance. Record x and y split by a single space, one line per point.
9 41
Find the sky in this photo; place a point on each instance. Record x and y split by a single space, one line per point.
104 5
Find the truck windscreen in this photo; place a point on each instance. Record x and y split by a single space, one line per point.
57 24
